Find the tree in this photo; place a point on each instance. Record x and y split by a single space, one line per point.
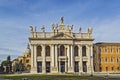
4 63
1 68
9 65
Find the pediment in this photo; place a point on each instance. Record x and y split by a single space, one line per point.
62 36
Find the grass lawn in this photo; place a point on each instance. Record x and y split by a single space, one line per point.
50 77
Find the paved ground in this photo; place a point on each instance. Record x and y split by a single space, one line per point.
108 75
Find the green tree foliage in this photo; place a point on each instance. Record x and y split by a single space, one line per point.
8 65
4 63
1 68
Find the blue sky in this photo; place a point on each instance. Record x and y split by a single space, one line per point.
17 15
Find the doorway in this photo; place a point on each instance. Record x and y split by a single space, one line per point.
84 66
47 67
62 66
39 67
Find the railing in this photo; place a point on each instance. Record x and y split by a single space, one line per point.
51 34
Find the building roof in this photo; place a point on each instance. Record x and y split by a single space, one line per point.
107 43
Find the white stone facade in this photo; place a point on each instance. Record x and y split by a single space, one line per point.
61 51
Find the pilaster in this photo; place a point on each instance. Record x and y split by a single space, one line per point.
33 59
43 62
80 62
71 67
89 59
55 68
53 57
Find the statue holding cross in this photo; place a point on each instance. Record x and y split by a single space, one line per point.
61 20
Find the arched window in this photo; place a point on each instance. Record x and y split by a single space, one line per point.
62 50
47 50
83 50
39 50
76 51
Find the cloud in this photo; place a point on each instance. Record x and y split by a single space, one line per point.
9 50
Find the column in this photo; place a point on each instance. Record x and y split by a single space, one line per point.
89 60
81 61
71 60
53 68
43 62
33 59
59 67
68 55
35 56
52 56
66 66
56 58
91 57
66 60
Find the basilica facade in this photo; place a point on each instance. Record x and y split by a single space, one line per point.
61 50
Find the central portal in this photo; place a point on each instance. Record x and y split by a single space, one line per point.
62 66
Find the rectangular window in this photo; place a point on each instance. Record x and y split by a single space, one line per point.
111 50
112 68
76 66
111 59
118 68
27 61
117 59
106 68
100 69
106 59
47 67
105 49
39 67
117 50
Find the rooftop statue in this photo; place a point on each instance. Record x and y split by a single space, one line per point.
61 20
31 29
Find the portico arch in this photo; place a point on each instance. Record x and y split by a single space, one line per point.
62 50
47 50
39 50
83 50
76 50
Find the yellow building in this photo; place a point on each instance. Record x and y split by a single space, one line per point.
106 57
26 59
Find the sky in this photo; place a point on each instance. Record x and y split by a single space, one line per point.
17 15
